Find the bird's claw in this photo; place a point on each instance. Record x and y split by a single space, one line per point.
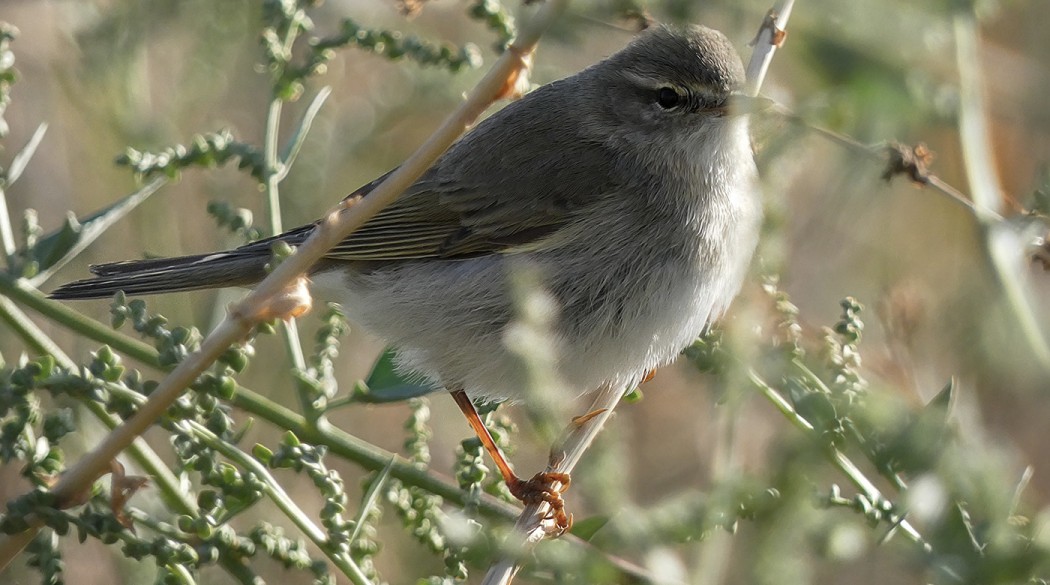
541 488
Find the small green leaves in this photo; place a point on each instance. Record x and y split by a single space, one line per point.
22 158
44 554
318 382
394 45
263 454
105 365
8 73
707 352
850 326
173 345
238 220
497 18
788 333
588 527
205 150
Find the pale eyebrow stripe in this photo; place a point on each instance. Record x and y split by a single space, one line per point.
646 81
656 83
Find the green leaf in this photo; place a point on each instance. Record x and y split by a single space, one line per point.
52 251
20 160
385 384
942 402
586 529
262 453
301 130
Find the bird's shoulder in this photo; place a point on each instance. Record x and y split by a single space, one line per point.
515 179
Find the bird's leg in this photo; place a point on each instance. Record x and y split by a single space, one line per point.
539 488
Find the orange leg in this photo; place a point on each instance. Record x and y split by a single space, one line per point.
648 376
537 489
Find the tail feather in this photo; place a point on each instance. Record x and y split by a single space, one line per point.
163 275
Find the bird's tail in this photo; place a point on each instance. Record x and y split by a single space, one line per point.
163 275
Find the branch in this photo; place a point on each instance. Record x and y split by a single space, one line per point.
999 238
262 302
986 190
770 37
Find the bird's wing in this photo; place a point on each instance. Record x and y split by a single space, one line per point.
453 221
507 186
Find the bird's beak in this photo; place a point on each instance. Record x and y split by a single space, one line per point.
740 104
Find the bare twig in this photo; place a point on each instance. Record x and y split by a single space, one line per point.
770 37
533 524
897 161
1001 245
1003 254
339 223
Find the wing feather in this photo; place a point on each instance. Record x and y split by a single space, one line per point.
504 187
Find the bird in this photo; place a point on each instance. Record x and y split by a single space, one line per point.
629 187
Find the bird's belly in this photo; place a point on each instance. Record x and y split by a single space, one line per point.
644 325
612 322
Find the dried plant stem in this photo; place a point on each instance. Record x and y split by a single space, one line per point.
770 37
258 305
532 525
986 189
1001 250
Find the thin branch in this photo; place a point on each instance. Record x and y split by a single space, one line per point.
275 171
975 138
21 291
1000 248
93 228
341 443
14 171
284 502
770 37
533 525
140 451
878 153
260 303
295 145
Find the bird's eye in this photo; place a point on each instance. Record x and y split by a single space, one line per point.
667 97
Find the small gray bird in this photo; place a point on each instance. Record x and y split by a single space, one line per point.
630 188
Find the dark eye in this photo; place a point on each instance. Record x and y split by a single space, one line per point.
667 97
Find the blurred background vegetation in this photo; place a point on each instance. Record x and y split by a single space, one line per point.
701 447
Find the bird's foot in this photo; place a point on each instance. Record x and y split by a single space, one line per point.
545 487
